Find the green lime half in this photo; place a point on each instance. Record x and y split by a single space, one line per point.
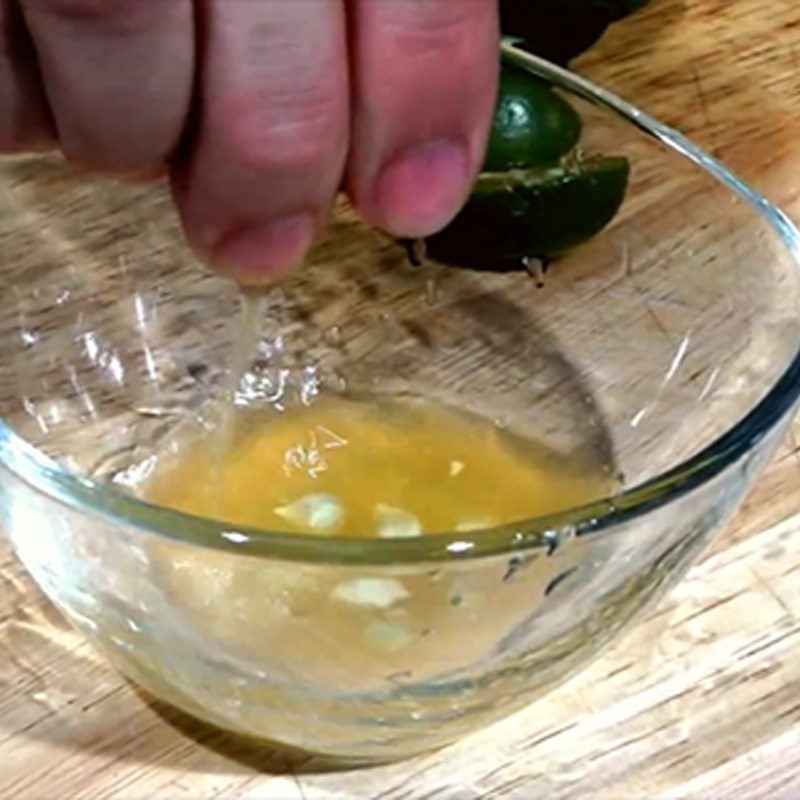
525 214
533 126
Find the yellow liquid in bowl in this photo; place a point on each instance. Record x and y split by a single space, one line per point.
373 469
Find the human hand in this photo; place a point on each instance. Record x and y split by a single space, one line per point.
261 110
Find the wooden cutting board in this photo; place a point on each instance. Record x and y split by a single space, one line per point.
701 700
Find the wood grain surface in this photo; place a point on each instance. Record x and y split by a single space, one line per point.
701 700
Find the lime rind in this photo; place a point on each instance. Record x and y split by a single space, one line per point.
541 213
533 126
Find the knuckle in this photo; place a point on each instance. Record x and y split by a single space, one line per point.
24 128
24 141
112 165
112 16
89 154
442 28
284 130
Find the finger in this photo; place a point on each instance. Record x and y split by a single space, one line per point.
118 76
425 84
24 118
273 133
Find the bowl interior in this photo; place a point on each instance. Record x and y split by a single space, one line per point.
636 350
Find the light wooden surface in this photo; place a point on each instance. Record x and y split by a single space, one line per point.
701 700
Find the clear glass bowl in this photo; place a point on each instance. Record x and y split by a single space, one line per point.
668 345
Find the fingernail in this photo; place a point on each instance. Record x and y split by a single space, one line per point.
421 190
262 254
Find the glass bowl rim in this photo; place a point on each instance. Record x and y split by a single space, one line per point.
538 534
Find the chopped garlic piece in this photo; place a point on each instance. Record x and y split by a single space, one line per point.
201 583
321 513
373 592
456 468
474 525
394 523
386 636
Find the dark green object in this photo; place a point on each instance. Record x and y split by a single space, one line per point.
533 126
529 214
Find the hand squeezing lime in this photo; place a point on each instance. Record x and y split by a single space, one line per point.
538 195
